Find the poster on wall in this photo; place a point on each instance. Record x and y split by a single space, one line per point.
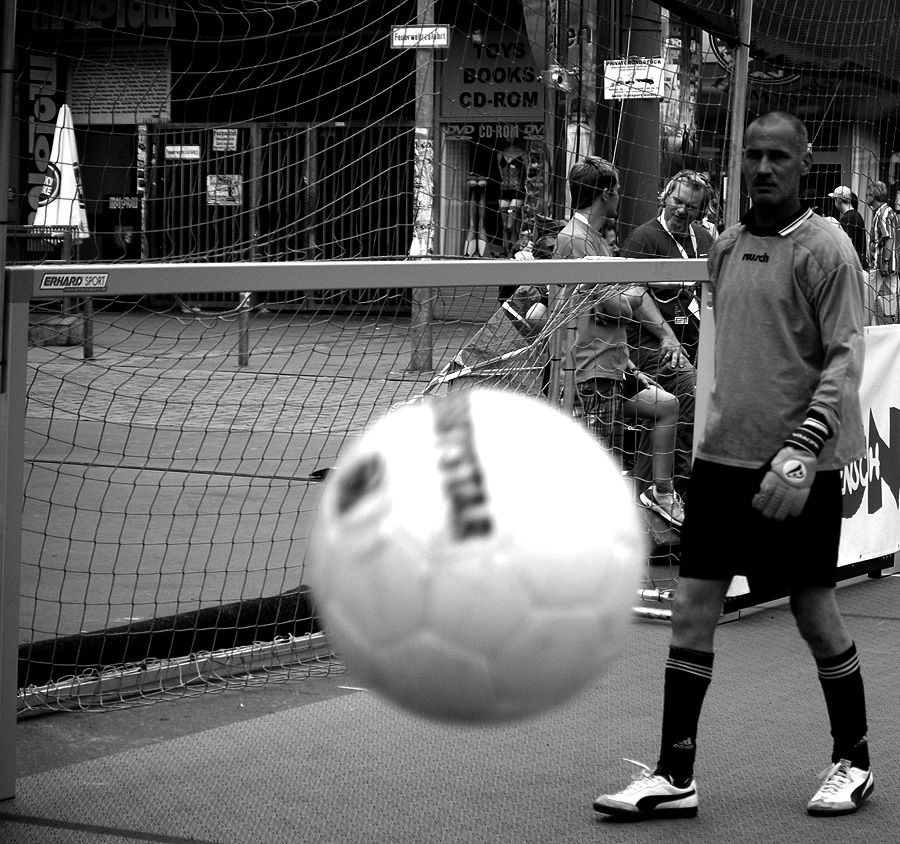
224 189
121 86
871 526
224 140
630 79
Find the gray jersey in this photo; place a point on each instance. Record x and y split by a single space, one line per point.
788 308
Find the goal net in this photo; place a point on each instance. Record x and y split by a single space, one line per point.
240 231
173 459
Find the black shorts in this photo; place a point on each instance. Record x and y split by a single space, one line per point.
723 535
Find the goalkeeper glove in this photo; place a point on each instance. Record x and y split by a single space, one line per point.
785 487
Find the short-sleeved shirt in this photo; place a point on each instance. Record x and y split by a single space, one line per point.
884 235
651 240
601 348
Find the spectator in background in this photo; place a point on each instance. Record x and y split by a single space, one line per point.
851 221
664 342
882 255
607 384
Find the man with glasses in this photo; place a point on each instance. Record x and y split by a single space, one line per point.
664 343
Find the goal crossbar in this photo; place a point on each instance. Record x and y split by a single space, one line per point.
48 281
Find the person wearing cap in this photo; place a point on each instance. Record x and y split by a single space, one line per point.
851 222
882 254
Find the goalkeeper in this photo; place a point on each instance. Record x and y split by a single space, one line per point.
765 491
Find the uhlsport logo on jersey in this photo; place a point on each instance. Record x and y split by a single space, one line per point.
863 478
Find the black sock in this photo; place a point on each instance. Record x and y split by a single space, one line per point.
845 699
688 675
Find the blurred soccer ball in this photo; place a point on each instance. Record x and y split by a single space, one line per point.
475 557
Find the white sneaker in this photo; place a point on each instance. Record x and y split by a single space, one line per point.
673 512
650 796
844 789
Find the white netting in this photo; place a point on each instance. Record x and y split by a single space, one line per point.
198 132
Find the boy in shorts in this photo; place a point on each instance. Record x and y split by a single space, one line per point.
608 387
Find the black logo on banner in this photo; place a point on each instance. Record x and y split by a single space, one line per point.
863 478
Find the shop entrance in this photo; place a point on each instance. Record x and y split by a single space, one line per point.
487 181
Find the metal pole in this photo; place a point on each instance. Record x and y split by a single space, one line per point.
253 163
560 109
7 65
557 54
11 435
87 328
557 347
423 196
738 108
244 329
738 111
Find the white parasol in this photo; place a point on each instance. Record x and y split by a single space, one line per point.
61 203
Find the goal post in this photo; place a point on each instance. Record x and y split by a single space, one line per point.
14 338
167 474
10 455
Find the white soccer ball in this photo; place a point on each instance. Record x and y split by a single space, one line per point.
475 557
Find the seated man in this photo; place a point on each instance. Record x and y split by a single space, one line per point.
664 341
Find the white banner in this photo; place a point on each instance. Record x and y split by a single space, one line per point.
61 202
871 526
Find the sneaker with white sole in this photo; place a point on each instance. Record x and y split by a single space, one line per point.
650 795
844 789
673 512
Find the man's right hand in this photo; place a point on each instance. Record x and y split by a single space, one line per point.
671 355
